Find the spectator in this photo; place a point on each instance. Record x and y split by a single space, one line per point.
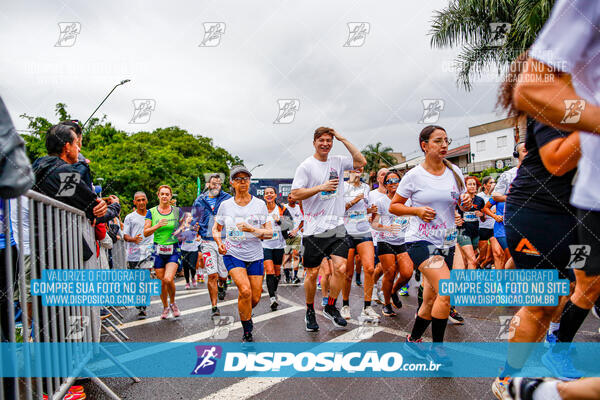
82 163
56 176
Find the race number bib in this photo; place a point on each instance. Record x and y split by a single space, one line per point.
234 234
469 216
276 235
450 237
328 195
358 216
403 222
164 250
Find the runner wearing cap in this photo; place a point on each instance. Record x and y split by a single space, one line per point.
245 221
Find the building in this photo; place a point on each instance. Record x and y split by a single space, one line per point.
459 156
492 144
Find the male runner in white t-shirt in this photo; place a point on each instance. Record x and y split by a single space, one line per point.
317 184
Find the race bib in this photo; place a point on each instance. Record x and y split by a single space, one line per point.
276 235
450 237
403 222
357 216
164 250
469 216
328 195
234 234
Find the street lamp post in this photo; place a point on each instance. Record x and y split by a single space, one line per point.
124 81
259 165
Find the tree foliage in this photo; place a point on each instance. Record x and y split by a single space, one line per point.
140 161
377 155
466 24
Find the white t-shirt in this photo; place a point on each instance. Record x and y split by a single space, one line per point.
489 221
505 180
133 225
242 245
438 192
297 215
375 195
190 241
324 210
356 219
386 218
277 242
570 42
25 221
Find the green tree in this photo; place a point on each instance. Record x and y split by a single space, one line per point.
377 155
466 24
128 162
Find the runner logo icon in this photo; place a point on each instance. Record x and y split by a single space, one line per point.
357 34
68 184
287 111
207 359
68 34
579 255
212 34
431 110
573 110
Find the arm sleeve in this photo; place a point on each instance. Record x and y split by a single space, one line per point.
300 178
567 34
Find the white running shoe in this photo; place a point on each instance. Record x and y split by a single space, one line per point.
369 313
345 312
380 298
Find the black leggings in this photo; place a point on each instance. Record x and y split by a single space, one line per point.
188 262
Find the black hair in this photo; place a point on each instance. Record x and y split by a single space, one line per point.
391 172
276 199
57 137
485 180
73 124
424 137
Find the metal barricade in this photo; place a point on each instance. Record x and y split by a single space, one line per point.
57 235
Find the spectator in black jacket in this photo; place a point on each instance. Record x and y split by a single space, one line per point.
57 176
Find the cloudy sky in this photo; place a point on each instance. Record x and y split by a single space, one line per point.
229 88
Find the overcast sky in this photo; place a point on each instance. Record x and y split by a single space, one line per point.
269 50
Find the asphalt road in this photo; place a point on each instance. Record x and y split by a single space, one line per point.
482 324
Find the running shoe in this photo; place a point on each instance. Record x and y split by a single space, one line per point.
403 291
369 313
311 321
194 284
175 310
215 312
296 281
247 338
596 310
380 298
187 286
165 313
550 339
221 292
500 388
333 314
396 300
201 280
274 303
455 317
437 354
358 281
75 389
560 365
75 396
523 388
228 282
324 301
388 311
345 312
142 314
416 347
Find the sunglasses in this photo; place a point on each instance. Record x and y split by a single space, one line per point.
392 180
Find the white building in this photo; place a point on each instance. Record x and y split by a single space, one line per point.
492 144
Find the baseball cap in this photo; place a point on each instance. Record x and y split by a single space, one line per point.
237 169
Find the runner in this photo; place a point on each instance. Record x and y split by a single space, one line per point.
162 221
434 188
245 219
204 210
538 203
391 248
486 228
189 250
359 241
273 249
293 244
375 195
139 247
468 233
574 93
317 184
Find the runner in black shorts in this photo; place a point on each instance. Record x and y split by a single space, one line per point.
317 183
468 233
486 228
434 188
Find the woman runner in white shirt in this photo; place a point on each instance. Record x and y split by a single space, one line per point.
434 188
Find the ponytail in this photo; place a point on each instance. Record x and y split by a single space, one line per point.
459 182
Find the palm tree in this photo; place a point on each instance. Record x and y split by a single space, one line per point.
467 24
377 155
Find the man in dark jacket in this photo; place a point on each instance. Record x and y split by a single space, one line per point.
204 211
57 177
